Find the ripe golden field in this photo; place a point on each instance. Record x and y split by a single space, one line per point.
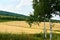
18 27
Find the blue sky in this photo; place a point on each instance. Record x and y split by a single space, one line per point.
18 6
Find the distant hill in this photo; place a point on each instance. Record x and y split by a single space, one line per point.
6 16
12 16
5 13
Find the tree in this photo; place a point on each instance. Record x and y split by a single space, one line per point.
43 9
55 6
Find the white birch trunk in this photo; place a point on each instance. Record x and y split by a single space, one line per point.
50 29
44 30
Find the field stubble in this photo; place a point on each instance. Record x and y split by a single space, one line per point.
18 27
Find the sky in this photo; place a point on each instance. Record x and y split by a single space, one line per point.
19 6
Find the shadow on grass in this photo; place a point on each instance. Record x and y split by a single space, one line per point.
57 30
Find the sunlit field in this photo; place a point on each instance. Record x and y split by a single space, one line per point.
18 27
20 30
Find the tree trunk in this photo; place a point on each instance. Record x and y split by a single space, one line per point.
50 29
44 31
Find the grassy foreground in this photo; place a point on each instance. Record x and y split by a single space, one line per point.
8 36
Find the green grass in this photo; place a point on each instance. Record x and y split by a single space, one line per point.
4 36
1 20
6 20
8 36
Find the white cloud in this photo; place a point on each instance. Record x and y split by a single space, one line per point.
55 17
12 0
24 7
6 8
23 3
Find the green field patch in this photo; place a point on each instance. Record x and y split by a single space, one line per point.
8 36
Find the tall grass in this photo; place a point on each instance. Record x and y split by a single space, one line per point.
8 36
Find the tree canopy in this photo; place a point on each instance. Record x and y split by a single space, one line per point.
45 8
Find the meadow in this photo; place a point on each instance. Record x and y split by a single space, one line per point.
20 30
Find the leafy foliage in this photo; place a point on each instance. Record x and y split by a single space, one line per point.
43 9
